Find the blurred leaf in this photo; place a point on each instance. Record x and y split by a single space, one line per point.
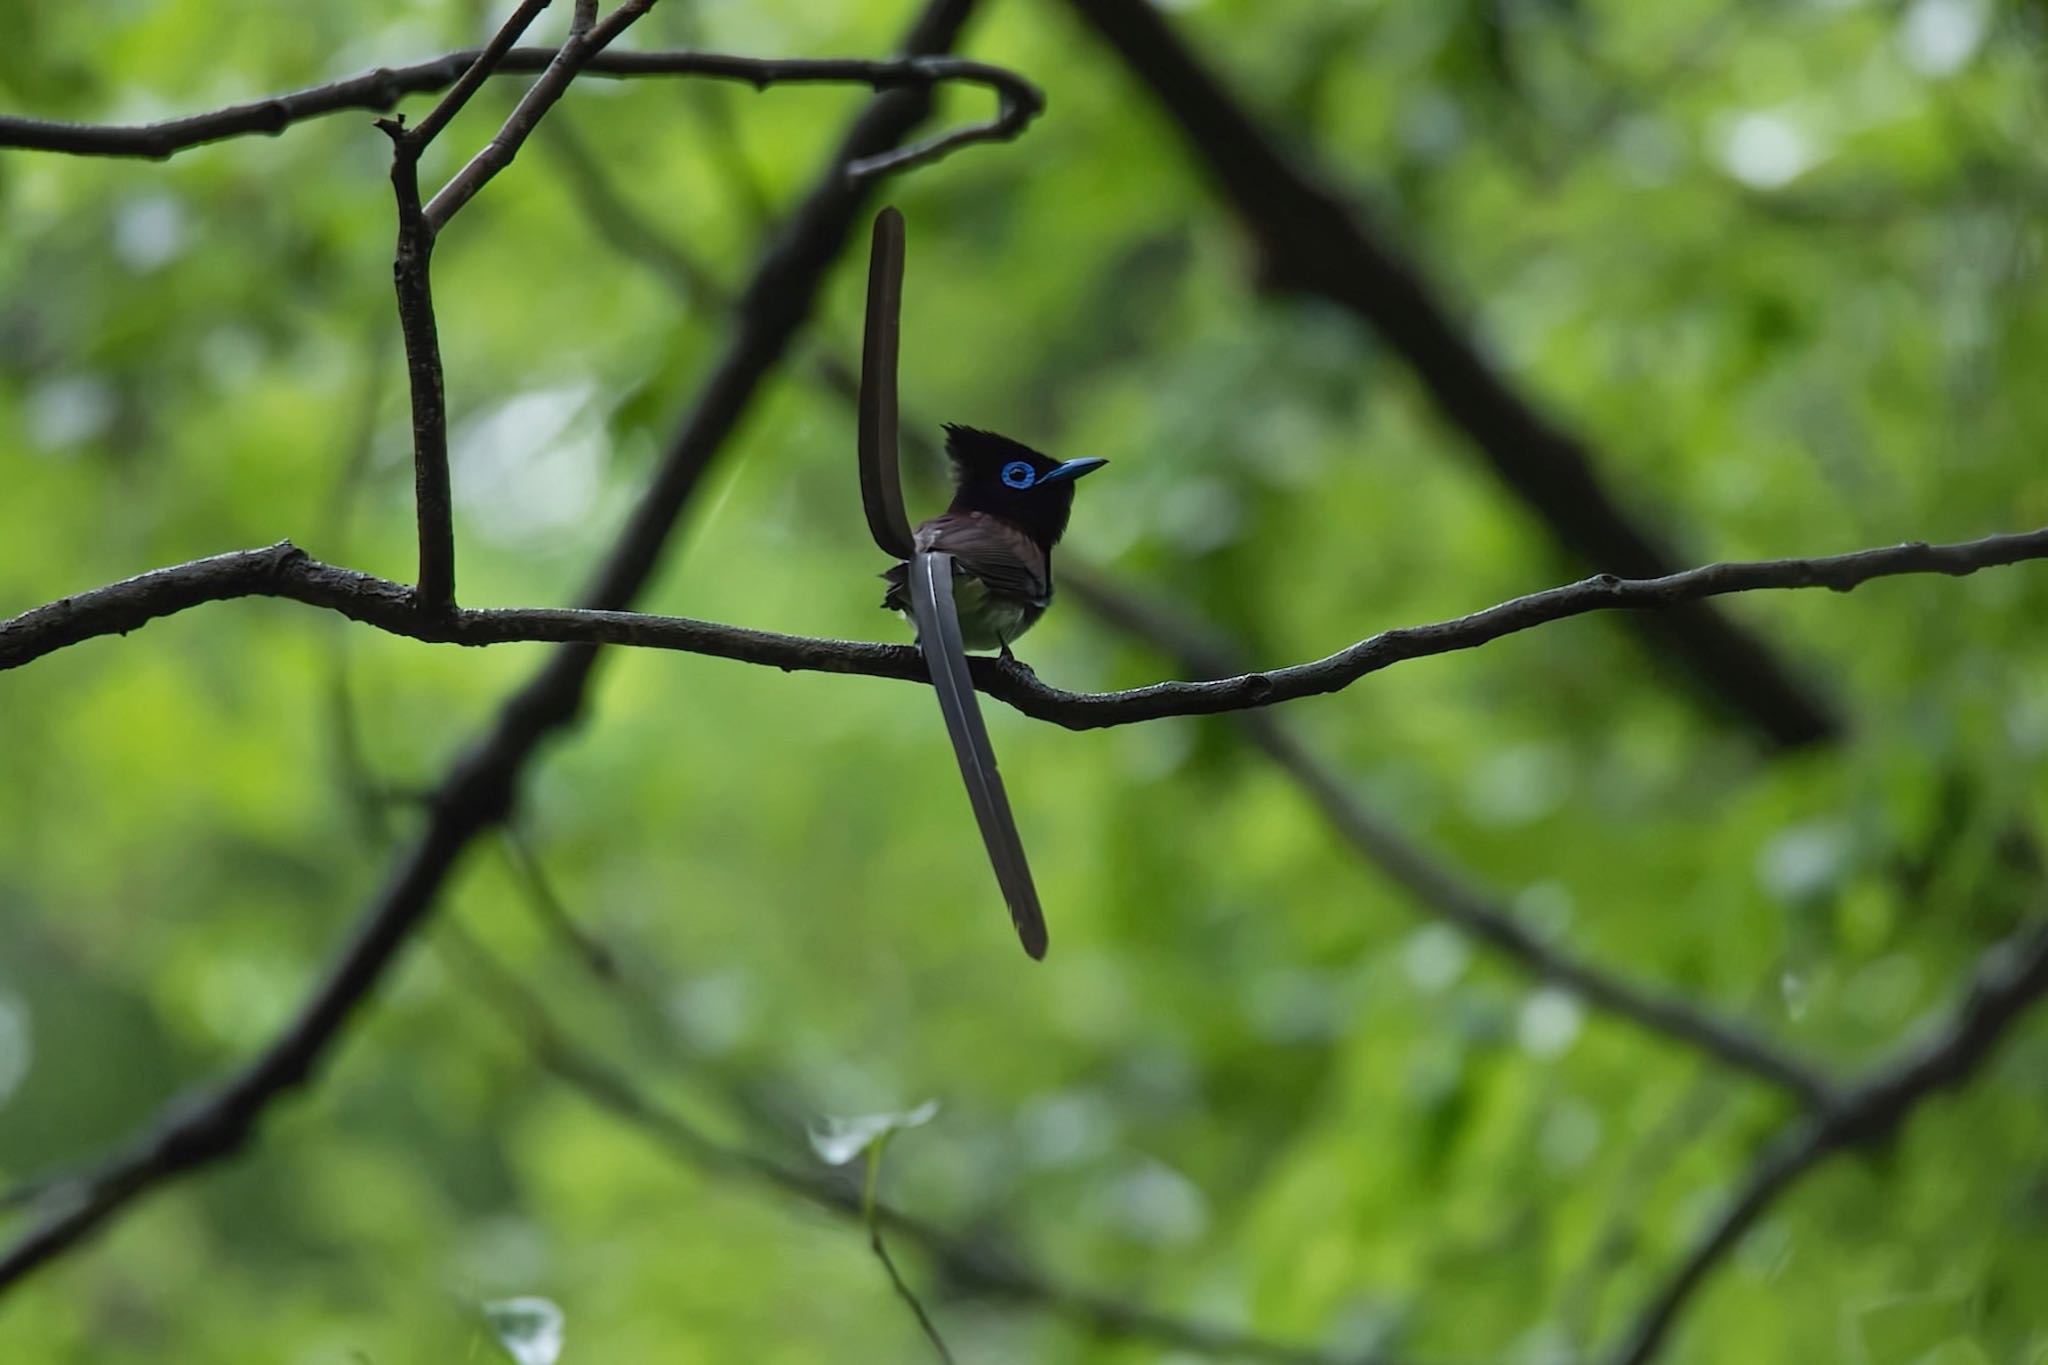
529 1328
839 1140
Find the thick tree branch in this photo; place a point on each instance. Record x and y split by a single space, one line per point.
282 570
2009 980
1438 888
1315 241
482 786
412 275
1018 100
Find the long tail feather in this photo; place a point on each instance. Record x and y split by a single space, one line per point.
881 488
938 635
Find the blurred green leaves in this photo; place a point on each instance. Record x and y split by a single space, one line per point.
1784 263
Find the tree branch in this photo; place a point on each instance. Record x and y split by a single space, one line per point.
977 1266
433 499
540 97
2009 980
1438 887
282 570
1315 241
480 70
411 273
481 787
1018 100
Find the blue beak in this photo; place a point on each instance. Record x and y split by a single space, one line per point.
1073 469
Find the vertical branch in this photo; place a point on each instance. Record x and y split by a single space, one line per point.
434 592
869 1213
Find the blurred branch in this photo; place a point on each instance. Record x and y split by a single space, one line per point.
629 978
976 1265
870 1212
283 570
1438 886
1018 100
2009 980
584 947
1315 241
1619 1236
480 788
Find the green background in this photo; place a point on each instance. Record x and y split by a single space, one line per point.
1781 264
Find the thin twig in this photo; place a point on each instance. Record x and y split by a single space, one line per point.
481 787
498 153
548 907
909 1296
870 1214
480 70
382 88
282 570
2009 980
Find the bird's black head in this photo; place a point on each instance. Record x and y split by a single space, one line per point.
1004 478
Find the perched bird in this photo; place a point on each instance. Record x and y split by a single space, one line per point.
978 576
1010 507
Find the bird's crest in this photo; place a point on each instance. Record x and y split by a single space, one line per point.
979 455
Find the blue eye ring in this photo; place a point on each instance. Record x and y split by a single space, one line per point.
1019 474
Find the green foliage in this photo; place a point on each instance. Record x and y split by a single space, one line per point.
1783 266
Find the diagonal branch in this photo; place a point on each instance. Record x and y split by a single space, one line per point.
283 570
479 71
540 97
1438 888
1018 100
978 1265
480 789
2009 980
1315 241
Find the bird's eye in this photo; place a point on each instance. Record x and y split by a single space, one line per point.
1019 474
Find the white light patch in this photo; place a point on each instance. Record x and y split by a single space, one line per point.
1157 1205
149 232
1938 37
16 1047
1766 151
531 466
66 413
1434 957
1549 1022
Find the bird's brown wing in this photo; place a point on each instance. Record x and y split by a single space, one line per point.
1009 561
